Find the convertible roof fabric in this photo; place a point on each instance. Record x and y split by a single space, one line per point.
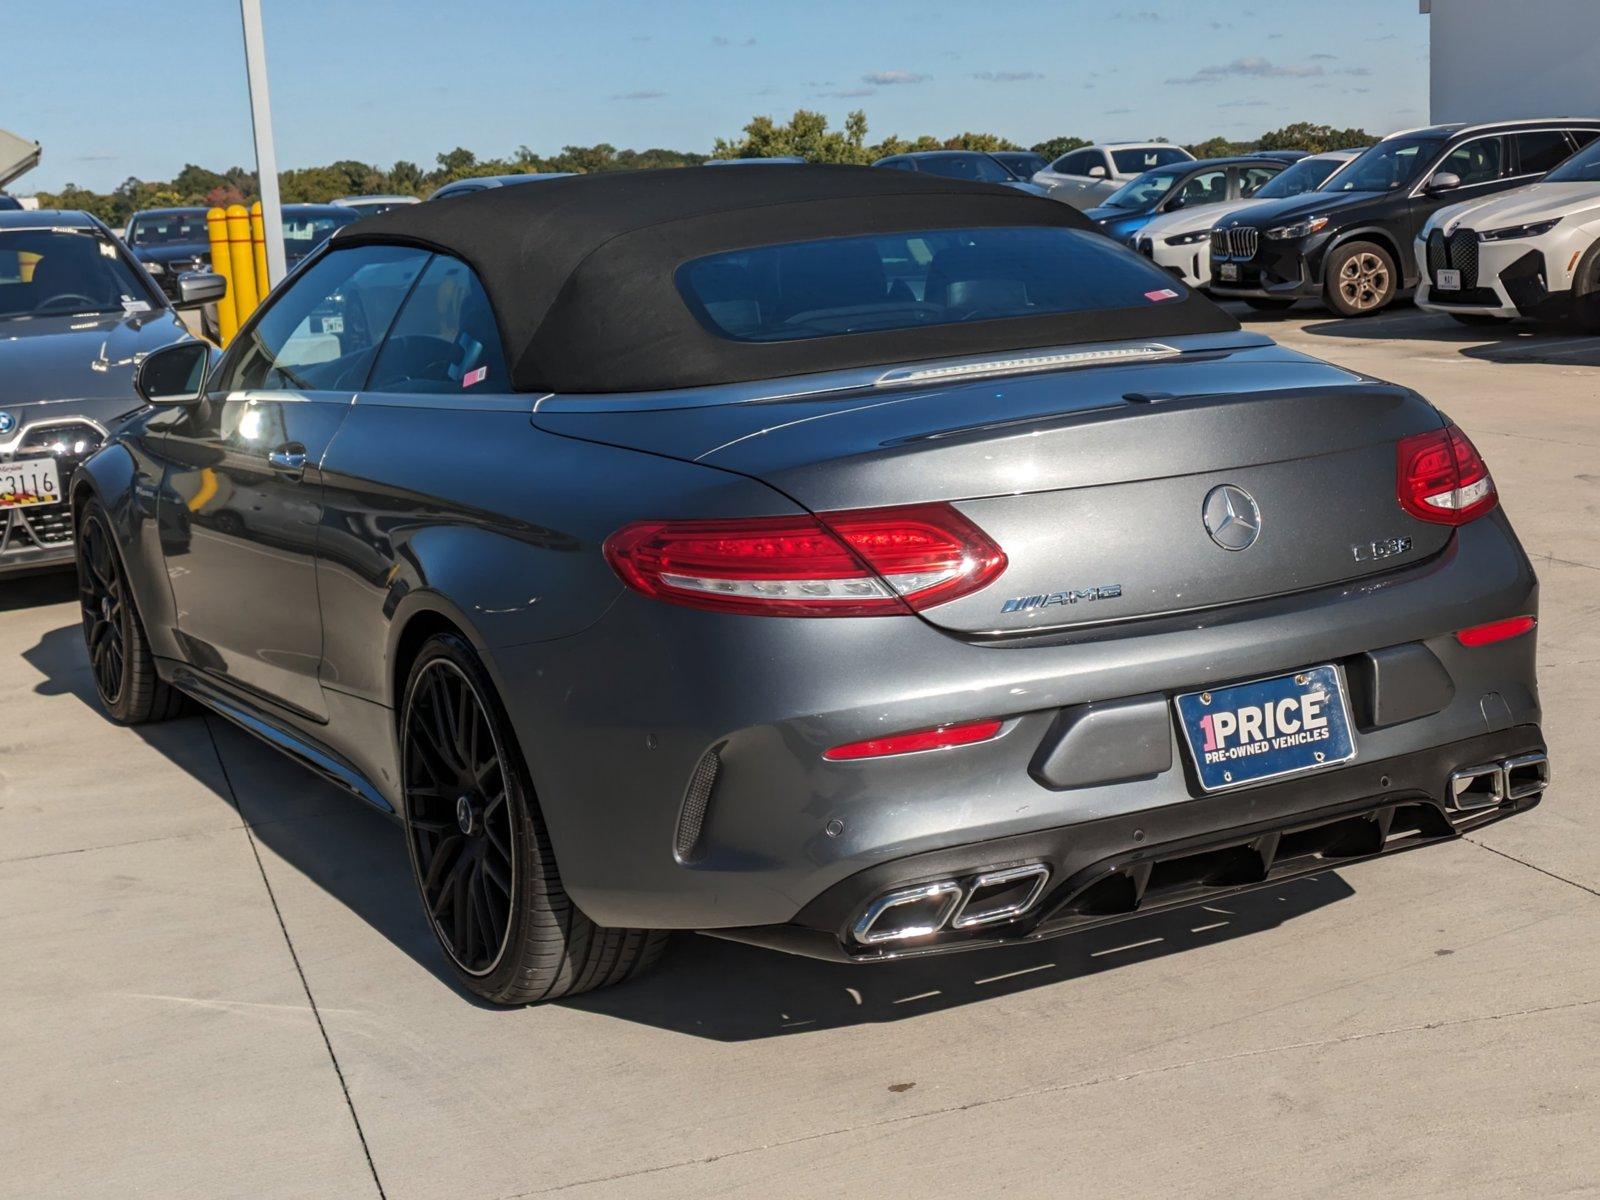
580 271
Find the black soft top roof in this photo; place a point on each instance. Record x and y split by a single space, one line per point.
580 271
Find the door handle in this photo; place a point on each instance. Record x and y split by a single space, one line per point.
290 459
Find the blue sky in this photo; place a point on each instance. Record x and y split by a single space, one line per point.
119 89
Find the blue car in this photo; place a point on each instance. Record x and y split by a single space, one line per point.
1183 185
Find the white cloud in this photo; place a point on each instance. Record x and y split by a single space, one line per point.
891 78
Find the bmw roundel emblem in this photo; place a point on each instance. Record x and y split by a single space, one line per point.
7 422
1231 517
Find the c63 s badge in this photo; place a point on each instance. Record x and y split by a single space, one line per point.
1106 591
1381 549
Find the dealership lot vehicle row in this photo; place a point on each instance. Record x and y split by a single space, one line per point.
219 951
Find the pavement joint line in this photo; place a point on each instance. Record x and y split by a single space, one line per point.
1076 1085
294 957
177 837
1582 887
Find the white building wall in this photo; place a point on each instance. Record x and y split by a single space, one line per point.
1501 59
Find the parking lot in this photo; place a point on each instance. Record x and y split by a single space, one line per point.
223 984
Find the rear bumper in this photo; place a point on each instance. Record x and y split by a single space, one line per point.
616 721
1109 870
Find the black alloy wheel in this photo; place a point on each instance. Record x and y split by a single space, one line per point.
119 656
480 853
459 817
102 597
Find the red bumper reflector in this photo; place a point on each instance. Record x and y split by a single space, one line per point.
1496 631
943 737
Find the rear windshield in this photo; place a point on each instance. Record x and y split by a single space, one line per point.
1136 161
904 280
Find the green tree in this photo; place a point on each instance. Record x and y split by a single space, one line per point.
1057 146
1304 135
980 141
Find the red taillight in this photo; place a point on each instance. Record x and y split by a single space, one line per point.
943 737
858 563
1495 631
1441 477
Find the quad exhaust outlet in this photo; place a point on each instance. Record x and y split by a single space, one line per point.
974 902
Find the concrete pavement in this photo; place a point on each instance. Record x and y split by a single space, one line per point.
217 981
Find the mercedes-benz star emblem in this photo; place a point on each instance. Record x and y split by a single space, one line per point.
1231 517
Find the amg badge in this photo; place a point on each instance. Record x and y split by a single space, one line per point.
1106 591
1380 549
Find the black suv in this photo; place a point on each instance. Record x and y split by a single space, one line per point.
169 241
1347 245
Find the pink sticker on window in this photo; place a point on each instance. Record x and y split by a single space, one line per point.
1161 294
477 375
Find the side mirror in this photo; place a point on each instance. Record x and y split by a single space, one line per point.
1098 171
1176 203
1444 181
199 288
174 374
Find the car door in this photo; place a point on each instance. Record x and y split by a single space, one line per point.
242 483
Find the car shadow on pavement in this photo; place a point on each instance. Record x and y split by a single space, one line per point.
36 591
1511 343
707 987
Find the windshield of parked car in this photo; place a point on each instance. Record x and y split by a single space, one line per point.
979 167
1145 157
45 272
1392 163
904 280
167 229
1307 175
304 232
1023 166
1582 167
1143 191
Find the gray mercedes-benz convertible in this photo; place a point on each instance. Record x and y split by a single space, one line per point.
851 562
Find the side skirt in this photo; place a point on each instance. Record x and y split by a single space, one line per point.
304 750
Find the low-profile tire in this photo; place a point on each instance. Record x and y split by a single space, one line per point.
1267 304
120 662
480 852
1479 319
1360 279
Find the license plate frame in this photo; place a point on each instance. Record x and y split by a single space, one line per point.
1447 280
1228 272
1303 756
30 483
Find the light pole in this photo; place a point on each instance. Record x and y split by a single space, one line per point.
255 62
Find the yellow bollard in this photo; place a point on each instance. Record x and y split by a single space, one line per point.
241 258
221 263
258 244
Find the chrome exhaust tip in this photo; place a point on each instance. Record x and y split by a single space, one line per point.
908 913
1474 788
1526 775
999 896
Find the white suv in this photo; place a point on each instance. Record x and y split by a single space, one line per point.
1087 175
1532 252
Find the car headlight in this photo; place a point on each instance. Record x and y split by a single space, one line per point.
1189 239
1301 229
1518 231
154 268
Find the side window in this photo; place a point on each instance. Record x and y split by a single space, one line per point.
1076 163
1478 161
1542 150
900 164
445 340
1209 187
322 334
1252 179
1583 136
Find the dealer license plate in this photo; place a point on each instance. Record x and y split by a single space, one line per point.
28 482
1448 281
1228 271
1253 732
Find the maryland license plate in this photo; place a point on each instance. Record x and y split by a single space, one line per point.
1268 729
1448 281
28 482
